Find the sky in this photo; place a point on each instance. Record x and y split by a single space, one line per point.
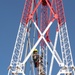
10 15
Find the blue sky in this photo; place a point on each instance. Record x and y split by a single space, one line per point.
10 15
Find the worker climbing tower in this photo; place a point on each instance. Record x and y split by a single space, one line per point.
35 51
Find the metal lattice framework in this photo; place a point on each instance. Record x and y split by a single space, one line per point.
34 32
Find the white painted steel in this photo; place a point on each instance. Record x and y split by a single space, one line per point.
54 48
66 48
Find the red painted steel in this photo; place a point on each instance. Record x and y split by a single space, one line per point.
60 12
44 20
26 12
48 13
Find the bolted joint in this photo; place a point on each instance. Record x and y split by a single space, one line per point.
44 2
56 16
30 16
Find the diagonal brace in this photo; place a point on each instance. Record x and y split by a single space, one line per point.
54 53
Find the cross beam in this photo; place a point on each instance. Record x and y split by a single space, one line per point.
54 53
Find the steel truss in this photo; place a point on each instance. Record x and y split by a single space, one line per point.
32 34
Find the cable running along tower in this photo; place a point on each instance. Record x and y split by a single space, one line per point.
35 51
